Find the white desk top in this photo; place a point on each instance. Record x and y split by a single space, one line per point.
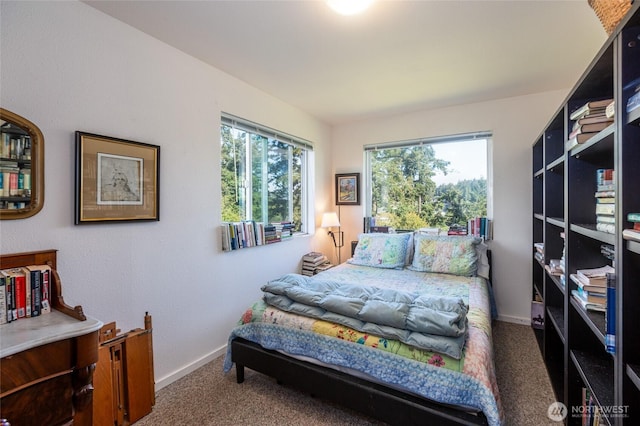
27 333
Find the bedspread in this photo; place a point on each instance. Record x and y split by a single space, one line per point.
469 381
429 322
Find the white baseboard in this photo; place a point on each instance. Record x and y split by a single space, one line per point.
189 368
514 320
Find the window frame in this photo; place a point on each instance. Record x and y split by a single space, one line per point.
306 165
461 137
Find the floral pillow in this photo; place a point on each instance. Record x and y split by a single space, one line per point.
381 250
445 254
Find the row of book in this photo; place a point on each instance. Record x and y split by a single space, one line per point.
315 262
14 180
480 227
249 233
589 120
24 292
605 201
14 146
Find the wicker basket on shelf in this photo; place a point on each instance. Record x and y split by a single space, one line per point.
610 12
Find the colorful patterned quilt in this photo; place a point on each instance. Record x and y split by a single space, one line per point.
468 382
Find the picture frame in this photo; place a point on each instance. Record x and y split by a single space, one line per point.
116 180
348 189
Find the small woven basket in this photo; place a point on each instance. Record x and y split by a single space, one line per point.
610 12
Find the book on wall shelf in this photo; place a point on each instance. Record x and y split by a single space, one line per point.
247 233
481 227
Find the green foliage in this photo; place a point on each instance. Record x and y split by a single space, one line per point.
405 196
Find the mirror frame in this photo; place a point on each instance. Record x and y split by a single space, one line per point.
37 167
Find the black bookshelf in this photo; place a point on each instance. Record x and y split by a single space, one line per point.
564 184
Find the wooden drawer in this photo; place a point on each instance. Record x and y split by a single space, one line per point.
45 403
28 366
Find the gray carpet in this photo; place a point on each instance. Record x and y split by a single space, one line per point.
209 397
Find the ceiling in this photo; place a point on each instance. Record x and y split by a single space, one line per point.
397 57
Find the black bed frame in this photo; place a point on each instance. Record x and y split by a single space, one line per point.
374 400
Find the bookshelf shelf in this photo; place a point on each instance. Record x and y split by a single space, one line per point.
595 320
589 230
633 372
566 182
556 221
556 281
596 375
633 118
557 319
600 143
556 165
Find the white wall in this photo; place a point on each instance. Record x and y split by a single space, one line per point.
515 123
66 67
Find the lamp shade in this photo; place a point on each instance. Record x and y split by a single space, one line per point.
330 220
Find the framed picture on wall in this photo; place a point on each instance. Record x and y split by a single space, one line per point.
116 180
348 189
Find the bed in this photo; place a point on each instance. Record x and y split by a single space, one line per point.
401 332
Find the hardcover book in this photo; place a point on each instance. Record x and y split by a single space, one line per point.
45 286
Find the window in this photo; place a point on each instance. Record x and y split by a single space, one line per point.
435 182
263 174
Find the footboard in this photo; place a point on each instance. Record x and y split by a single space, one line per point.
375 400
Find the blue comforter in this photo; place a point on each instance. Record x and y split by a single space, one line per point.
432 323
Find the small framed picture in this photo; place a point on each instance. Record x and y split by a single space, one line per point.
348 189
116 180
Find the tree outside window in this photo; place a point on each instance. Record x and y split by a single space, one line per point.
416 184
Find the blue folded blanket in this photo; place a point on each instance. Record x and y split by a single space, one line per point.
433 323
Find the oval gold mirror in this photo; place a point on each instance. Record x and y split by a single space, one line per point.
21 167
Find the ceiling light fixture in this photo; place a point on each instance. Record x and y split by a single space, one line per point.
349 7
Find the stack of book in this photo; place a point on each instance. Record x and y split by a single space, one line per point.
591 292
270 234
589 120
539 255
605 201
284 229
608 251
632 233
314 262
